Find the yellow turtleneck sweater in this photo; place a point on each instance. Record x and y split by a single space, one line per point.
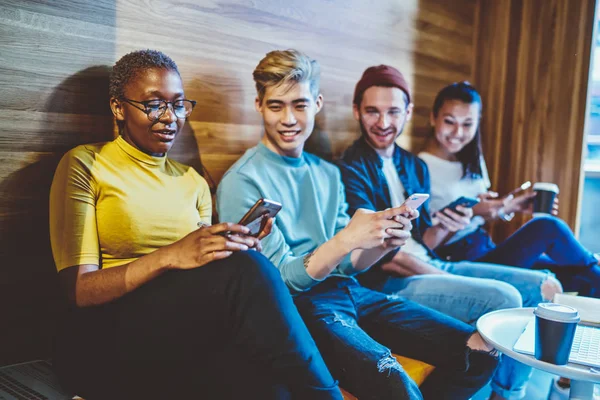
110 204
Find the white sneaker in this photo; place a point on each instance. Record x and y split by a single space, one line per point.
557 392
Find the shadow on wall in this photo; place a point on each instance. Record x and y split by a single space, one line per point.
219 107
210 104
319 142
77 112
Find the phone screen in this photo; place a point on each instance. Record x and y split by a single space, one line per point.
462 201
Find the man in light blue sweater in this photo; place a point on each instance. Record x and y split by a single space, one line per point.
318 249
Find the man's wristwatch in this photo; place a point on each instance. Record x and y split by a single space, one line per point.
504 216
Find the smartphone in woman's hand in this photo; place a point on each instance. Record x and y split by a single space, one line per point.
524 186
462 201
256 218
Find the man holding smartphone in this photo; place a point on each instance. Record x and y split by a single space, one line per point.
378 174
319 249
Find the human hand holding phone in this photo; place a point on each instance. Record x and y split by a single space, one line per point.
253 242
524 186
411 204
414 201
368 229
463 201
522 203
206 244
407 211
259 214
266 230
489 205
453 221
399 235
259 223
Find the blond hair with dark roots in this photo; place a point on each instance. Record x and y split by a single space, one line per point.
281 67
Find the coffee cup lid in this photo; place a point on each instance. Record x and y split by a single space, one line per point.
557 312
550 187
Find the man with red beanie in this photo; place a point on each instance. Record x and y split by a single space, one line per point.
379 174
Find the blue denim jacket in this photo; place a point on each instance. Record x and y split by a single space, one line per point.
366 186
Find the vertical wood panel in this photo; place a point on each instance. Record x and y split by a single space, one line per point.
532 68
54 63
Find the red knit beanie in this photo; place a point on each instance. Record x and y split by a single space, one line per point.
381 75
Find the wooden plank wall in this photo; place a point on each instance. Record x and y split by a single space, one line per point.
532 67
54 64
54 75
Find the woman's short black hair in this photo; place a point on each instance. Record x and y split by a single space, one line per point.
131 64
470 155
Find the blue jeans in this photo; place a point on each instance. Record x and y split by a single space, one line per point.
357 328
472 290
545 242
226 330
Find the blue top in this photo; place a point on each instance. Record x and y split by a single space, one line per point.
314 207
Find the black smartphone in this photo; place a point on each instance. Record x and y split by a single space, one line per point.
463 201
258 214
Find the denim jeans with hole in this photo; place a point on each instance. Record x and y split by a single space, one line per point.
357 329
470 291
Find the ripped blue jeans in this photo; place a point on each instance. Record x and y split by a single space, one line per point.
356 330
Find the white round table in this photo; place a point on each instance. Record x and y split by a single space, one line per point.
502 328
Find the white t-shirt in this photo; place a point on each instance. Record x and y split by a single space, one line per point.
397 197
448 184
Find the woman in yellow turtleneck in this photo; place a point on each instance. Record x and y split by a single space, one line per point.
159 307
